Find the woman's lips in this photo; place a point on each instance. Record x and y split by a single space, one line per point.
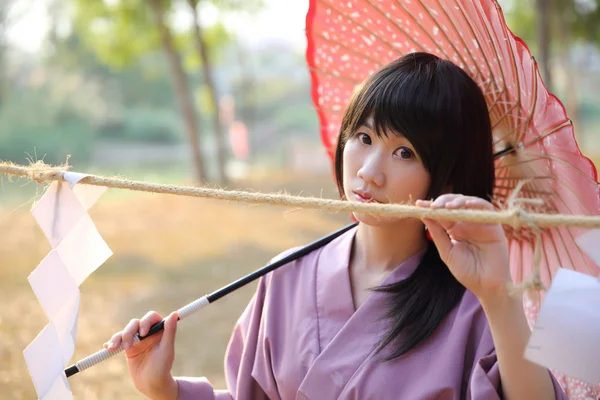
364 197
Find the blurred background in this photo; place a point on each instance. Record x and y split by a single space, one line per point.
188 92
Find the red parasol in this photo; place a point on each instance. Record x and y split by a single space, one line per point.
533 137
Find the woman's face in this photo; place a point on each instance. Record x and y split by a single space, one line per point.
383 170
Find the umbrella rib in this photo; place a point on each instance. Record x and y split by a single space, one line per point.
520 178
533 103
507 112
560 160
552 130
485 85
543 192
570 211
546 264
522 242
566 187
477 41
491 37
512 149
511 53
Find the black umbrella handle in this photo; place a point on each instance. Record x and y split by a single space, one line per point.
202 302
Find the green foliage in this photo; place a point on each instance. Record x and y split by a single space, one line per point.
580 17
144 125
216 38
120 35
590 110
117 34
297 119
521 18
238 6
30 124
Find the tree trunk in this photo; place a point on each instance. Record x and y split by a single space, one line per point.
3 49
543 34
181 89
207 70
563 18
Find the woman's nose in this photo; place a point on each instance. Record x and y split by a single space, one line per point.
372 170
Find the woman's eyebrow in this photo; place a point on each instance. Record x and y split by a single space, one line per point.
367 124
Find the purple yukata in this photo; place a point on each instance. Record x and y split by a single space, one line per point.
301 338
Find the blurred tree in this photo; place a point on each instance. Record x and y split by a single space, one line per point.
209 81
120 32
4 8
552 26
544 11
202 49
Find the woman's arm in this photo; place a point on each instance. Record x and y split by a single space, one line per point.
521 379
477 256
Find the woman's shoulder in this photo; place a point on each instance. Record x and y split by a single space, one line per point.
295 266
334 252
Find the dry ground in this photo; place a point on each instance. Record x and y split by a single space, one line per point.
168 251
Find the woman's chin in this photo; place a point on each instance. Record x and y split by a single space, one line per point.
376 220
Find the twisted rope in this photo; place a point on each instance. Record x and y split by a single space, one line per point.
515 216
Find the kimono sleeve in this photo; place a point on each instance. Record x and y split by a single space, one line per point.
485 381
240 359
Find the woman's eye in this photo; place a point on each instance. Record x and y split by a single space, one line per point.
404 153
364 138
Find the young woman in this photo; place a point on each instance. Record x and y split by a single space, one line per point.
396 308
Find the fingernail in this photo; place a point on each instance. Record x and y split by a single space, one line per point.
142 332
126 346
111 345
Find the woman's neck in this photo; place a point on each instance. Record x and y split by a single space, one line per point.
383 248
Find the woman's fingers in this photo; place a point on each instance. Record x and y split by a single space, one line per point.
151 318
114 342
453 200
444 199
440 236
133 328
170 330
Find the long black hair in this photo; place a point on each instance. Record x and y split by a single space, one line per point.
442 112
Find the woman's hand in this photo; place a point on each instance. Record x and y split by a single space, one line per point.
475 253
150 361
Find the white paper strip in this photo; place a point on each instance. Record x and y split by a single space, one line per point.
73 178
87 195
44 360
566 336
83 250
57 212
78 250
52 284
60 390
65 324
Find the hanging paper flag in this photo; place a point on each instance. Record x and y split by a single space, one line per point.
77 251
565 335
